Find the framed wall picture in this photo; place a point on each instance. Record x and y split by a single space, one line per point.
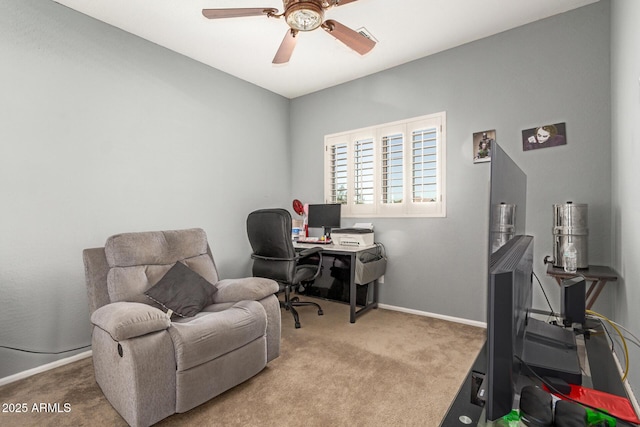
482 142
544 136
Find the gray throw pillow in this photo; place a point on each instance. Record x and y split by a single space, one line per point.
183 291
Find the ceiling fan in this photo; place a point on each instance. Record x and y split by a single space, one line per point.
301 15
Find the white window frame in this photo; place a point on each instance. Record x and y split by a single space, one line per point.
407 207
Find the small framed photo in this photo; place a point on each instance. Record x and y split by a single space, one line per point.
482 143
544 136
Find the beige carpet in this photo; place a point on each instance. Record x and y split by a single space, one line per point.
388 368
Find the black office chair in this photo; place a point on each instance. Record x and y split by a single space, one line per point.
274 256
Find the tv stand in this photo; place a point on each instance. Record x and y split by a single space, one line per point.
543 332
548 359
601 367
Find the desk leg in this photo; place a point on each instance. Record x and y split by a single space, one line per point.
375 293
596 285
352 289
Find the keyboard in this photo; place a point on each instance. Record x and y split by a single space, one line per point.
315 241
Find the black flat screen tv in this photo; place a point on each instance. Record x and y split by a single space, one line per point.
508 186
514 339
510 270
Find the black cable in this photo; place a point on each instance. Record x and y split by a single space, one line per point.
44 352
545 297
382 251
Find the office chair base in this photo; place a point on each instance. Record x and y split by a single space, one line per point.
295 302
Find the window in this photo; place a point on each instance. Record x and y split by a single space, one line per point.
392 170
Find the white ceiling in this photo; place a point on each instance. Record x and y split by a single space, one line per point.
244 47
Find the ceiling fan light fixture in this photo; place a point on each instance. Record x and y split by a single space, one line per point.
305 16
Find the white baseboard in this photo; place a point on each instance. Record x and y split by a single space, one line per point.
434 315
43 368
627 386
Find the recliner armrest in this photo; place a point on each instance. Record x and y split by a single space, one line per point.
248 288
124 320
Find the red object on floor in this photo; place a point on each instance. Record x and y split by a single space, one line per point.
617 406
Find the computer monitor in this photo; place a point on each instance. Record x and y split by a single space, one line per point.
325 216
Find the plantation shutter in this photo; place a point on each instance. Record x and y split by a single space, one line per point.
338 173
424 166
392 169
363 171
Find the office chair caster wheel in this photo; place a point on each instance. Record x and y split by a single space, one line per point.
297 325
320 312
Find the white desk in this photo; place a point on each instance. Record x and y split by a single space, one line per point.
351 251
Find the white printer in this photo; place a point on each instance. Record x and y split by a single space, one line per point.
360 235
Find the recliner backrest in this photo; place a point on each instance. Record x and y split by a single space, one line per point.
138 261
96 269
269 232
131 263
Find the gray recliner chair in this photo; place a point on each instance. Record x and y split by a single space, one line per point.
149 361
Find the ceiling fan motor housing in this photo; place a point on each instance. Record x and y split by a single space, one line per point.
304 15
300 15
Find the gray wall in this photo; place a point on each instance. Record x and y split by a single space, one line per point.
554 70
625 77
103 132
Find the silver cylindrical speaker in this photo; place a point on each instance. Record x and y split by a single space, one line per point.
570 225
503 220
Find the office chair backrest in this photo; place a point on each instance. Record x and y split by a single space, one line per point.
269 232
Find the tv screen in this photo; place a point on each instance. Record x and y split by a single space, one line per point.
512 337
508 199
510 268
326 216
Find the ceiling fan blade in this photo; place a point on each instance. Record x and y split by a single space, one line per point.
238 13
346 35
343 2
286 47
